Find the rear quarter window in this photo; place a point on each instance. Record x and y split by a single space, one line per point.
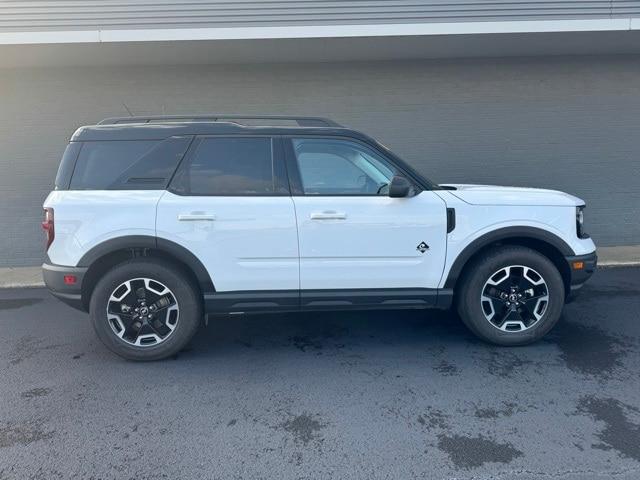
128 164
65 169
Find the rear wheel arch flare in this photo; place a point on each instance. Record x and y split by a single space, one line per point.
104 256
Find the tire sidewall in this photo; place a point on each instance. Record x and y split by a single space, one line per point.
471 308
179 284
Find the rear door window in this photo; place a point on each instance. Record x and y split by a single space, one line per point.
232 166
128 164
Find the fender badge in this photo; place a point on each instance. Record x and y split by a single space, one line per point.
423 247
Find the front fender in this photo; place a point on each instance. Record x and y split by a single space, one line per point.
452 273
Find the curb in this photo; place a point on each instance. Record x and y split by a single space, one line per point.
613 264
21 277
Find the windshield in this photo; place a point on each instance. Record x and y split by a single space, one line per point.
428 184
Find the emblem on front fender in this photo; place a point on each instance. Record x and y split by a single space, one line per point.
423 247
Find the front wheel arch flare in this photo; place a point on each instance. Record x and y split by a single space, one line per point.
543 241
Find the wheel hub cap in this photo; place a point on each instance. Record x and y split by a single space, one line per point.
142 312
514 298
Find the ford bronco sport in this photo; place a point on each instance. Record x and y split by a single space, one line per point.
156 221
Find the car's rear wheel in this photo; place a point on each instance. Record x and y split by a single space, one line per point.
145 309
511 296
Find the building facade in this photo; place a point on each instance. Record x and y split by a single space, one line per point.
543 94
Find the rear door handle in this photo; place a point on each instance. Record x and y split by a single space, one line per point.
328 215
194 217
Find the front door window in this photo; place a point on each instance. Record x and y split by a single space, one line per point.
341 167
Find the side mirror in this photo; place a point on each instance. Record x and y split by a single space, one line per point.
399 187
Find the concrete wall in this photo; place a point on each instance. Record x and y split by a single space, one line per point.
570 123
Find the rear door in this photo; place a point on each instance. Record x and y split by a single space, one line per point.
352 234
229 204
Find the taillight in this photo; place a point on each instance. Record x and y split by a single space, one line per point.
47 226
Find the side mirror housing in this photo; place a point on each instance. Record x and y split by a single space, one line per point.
399 187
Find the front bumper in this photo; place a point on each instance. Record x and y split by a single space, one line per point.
54 279
581 267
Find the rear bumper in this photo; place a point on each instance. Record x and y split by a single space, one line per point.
54 279
579 276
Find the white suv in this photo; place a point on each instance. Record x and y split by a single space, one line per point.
156 221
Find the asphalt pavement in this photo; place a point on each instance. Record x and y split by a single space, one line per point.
396 395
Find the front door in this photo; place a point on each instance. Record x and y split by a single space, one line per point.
352 235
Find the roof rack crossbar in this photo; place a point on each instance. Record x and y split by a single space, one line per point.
301 121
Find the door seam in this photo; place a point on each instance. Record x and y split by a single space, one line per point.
295 214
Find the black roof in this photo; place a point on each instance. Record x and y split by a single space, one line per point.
107 130
160 131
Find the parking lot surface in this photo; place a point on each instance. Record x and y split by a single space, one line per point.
366 395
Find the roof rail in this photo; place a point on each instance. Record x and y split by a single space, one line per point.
301 121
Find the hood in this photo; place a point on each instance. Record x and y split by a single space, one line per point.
495 195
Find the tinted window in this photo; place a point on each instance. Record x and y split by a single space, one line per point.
341 167
128 165
230 166
66 165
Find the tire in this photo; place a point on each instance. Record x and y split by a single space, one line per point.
512 320
174 312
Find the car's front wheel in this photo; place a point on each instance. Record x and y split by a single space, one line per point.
145 309
511 296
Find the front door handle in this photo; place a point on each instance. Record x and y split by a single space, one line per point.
328 215
194 217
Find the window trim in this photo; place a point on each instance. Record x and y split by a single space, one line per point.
277 159
295 179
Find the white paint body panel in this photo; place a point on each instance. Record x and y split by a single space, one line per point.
245 243
272 243
530 197
474 221
374 245
86 218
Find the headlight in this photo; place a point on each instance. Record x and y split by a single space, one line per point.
580 222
